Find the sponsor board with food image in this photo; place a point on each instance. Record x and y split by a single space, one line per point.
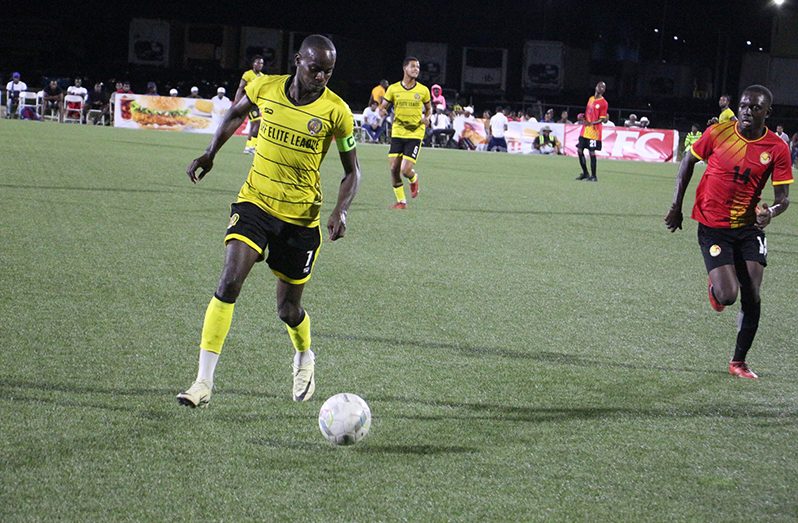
165 113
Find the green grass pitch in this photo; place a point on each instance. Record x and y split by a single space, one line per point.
532 348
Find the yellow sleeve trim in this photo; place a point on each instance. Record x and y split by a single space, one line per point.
783 182
694 153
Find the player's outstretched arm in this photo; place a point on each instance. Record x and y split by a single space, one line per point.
780 203
673 220
336 224
232 121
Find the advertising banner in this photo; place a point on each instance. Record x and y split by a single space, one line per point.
148 42
484 70
521 136
167 113
432 57
629 143
543 66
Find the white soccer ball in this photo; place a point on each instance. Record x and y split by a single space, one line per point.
345 419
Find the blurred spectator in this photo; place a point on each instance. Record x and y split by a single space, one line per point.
125 88
378 92
173 92
580 119
498 126
437 95
726 112
373 123
221 103
631 121
52 100
13 90
529 116
794 150
194 92
460 124
73 109
98 100
781 134
441 125
692 137
564 118
548 117
152 89
546 143
78 89
712 121
644 122
117 87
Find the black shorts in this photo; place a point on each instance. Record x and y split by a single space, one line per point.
406 147
292 249
592 145
722 246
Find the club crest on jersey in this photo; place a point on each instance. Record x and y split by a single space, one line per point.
417 96
233 220
597 106
314 126
714 251
764 158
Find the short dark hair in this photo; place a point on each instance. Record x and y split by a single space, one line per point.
256 57
727 96
761 89
408 60
499 108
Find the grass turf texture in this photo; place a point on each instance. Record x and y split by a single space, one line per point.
532 348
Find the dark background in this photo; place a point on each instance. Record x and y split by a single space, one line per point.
44 40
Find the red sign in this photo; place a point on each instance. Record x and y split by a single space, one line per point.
629 143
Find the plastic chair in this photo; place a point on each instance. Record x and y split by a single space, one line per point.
73 108
30 99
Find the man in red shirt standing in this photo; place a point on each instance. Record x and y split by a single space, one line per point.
590 137
741 155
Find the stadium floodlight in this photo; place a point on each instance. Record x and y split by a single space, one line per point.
779 2
748 42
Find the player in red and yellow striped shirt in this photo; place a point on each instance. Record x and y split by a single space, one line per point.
741 156
590 137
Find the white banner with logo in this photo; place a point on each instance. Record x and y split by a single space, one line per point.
543 66
148 42
484 70
266 42
432 58
167 113
521 136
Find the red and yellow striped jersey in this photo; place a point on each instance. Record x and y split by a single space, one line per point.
737 171
595 109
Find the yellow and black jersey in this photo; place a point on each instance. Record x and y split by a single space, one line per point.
284 179
250 75
408 109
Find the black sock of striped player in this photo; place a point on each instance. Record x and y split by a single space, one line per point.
747 327
593 165
583 163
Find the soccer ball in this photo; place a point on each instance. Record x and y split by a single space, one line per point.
344 419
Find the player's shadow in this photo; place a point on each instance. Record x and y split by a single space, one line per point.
367 447
560 358
499 413
122 190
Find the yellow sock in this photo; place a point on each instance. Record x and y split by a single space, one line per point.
218 317
251 142
400 193
414 178
300 335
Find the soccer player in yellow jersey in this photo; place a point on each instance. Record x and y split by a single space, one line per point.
254 116
726 112
412 109
276 215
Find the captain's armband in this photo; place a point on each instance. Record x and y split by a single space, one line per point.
346 143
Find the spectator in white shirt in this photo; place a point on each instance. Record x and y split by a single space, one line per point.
78 89
441 126
631 121
373 123
781 134
221 104
498 126
13 91
173 92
